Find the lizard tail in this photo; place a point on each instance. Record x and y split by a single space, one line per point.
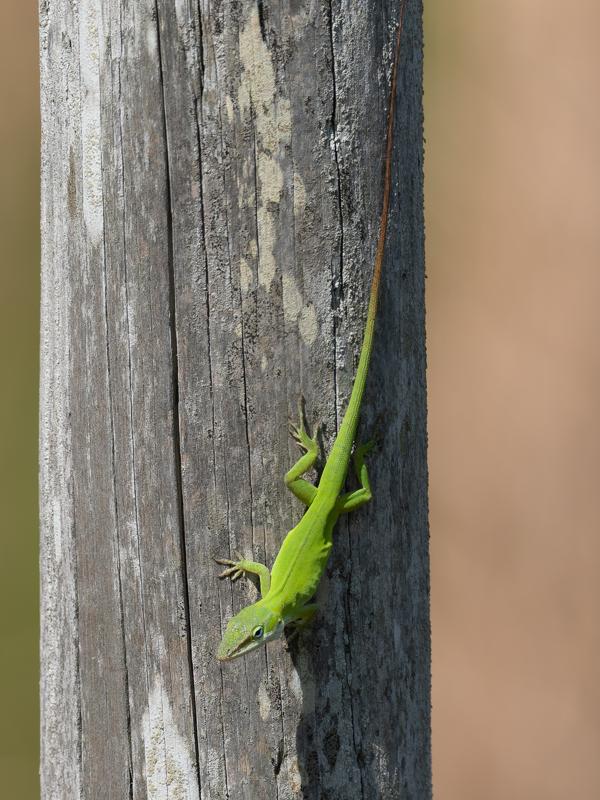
340 453
387 180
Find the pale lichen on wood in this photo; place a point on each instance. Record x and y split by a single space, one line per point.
169 756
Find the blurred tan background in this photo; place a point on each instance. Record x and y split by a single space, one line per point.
513 206
513 223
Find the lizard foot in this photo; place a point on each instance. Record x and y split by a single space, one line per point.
361 451
249 569
235 569
299 433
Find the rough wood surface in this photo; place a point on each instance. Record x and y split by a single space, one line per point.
211 187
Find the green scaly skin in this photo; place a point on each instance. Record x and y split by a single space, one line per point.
288 590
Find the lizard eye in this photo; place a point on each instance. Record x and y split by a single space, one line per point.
257 633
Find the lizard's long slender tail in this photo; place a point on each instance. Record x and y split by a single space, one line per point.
340 452
387 181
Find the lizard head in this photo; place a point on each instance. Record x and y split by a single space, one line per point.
249 629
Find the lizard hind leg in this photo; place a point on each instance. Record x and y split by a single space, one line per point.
303 490
353 500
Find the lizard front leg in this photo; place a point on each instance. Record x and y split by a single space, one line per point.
235 570
353 500
303 490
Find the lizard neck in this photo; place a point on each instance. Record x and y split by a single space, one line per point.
337 463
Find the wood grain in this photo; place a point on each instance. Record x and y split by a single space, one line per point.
211 186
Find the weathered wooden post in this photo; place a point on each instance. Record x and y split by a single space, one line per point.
211 189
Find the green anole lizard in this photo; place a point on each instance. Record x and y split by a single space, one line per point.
288 590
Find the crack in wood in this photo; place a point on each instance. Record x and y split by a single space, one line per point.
175 413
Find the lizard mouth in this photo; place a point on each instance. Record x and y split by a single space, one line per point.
239 650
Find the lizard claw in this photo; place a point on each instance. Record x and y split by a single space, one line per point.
223 561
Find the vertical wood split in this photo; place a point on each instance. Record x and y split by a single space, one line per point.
211 187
